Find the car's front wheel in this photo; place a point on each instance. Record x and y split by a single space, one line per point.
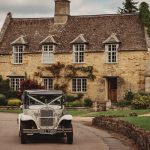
23 136
70 135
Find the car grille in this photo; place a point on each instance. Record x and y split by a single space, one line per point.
47 117
47 121
46 113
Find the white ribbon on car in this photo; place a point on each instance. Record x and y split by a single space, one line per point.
55 100
42 102
36 100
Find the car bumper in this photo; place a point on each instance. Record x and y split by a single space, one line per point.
47 131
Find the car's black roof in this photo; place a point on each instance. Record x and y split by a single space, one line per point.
41 91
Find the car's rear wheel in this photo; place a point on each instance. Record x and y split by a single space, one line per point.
70 134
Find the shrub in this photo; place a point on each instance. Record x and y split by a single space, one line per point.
88 102
129 95
13 94
79 96
74 104
71 98
30 84
5 88
3 100
14 102
127 100
141 101
77 104
123 103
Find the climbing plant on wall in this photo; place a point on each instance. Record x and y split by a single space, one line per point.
65 73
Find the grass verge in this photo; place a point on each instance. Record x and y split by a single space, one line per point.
142 122
12 111
118 113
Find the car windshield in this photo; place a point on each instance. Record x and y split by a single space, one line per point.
40 99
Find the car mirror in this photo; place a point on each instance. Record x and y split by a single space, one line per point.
21 106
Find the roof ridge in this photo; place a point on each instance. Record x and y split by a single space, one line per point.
33 18
98 15
104 15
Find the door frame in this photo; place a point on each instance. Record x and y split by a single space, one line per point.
107 80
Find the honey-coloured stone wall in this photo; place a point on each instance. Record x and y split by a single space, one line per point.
130 70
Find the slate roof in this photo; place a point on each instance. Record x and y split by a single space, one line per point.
96 29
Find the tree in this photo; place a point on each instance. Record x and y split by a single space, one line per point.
144 13
6 90
129 6
30 84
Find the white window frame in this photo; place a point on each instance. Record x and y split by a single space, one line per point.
48 83
18 51
79 88
111 53
49 51
78 53
15 83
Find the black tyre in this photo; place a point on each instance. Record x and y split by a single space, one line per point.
23 136
70 135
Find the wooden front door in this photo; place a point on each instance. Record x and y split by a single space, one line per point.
112 89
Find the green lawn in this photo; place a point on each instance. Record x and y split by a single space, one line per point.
12 111
118 113
142 122
77 112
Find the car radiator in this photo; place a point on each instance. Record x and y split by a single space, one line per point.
47 117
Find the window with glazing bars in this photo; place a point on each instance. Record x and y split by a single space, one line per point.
79 85
48 83
18 54
15 83
78 53
111 53
48 54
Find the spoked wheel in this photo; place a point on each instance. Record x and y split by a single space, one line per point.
70 135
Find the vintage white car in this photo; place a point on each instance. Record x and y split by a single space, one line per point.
43 114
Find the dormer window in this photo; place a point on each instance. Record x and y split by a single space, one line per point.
78 50
48 54
18 54
111 48
79 45
18 49
48 47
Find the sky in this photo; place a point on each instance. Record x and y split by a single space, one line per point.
45 8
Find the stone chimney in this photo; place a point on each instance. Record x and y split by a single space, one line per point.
62 11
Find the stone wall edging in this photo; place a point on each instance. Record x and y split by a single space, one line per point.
9 107
138 135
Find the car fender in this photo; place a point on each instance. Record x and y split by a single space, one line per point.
23 117
65 117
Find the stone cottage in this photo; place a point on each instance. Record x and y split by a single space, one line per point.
101 56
